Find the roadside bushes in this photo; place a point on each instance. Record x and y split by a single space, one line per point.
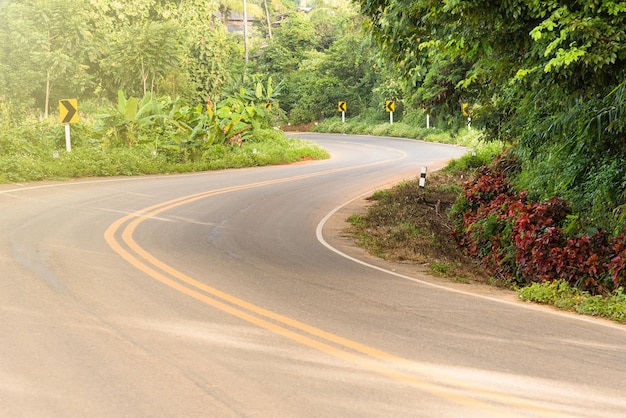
523 241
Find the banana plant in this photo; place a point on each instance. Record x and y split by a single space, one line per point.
165 124
129 118
187 131
229 119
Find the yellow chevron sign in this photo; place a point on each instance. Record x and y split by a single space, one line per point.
390 106
341 106
68 111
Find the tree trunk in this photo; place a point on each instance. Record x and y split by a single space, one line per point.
245 31
47 104
144 77
267 17
46 110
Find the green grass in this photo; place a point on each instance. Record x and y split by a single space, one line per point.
356 220
464 137
268 147
379 194
567 298
480 155
442 268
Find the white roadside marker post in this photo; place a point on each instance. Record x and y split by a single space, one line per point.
422 182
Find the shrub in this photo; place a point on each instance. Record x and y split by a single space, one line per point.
560 294
526 241
403 130
557 293
482 156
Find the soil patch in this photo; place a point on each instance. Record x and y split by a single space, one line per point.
410 225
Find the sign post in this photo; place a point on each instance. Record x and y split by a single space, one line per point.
465 112
390 106
427 115
68 139
68 113
341 107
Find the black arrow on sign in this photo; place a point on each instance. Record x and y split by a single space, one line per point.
71 111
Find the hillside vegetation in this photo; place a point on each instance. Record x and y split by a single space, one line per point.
547 77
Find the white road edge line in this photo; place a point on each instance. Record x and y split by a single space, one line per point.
320 237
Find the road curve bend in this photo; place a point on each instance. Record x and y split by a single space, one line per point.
233 294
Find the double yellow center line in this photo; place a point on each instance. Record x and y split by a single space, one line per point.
119 237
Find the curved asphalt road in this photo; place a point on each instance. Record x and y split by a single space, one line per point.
232 294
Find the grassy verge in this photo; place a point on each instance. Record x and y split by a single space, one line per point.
567 298
409 224
44 163
464 137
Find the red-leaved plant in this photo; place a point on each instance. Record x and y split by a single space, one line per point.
525 242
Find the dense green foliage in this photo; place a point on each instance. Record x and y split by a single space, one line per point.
322 58
91 49
547 76
162 86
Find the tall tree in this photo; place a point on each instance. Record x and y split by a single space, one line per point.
547 75
47 44
211 53
142 54
293 39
